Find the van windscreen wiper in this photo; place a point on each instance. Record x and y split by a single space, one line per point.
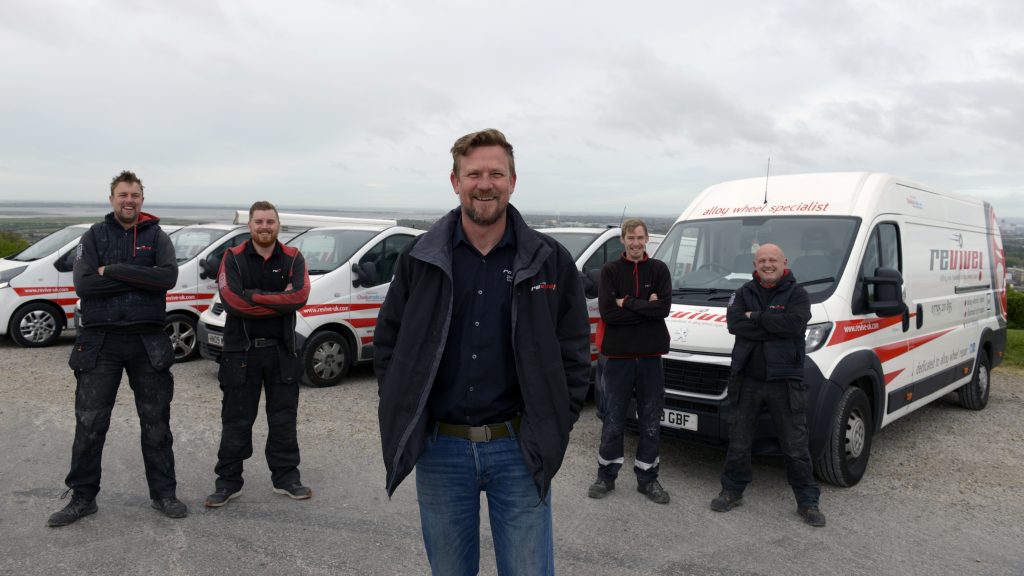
676 291
818 281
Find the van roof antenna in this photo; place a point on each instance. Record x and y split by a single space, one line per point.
623 217
766 172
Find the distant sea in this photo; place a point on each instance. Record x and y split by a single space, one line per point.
199 213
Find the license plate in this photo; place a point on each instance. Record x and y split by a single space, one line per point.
679 420
215 339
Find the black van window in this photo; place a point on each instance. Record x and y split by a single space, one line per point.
883 251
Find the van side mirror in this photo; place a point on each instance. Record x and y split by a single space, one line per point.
888 292
66 263
364 274
208 267
590 282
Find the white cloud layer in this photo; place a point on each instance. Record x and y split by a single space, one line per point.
609 104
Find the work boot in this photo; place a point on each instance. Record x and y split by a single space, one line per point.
221 497
654 492
170 507
726 501
79 507
811 515
600 488
295 491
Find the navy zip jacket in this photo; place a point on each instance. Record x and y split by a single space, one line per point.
550 342
238 285
769 344
139 267
637 329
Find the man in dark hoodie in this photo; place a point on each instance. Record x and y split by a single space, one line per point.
769 315
123 269
634 295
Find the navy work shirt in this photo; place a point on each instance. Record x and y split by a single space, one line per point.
269 276
476 383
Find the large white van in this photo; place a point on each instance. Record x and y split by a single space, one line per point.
908 303
350 269
592 248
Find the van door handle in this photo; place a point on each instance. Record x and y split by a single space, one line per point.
920 316
906 318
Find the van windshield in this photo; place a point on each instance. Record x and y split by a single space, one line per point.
326 250
574 242
710 259
189 242
49 244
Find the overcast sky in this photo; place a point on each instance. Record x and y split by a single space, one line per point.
608 104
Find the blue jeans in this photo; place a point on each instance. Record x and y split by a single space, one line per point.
450 475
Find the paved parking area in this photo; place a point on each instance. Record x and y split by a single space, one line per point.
944 494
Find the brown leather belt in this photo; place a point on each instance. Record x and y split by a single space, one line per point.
484 433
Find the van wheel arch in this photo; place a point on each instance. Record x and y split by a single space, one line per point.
37 324
182 328
327 356
848 447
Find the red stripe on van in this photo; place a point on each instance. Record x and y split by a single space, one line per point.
847 330
321 309
65 301
366 339
892 375
363 322
37 290
890 351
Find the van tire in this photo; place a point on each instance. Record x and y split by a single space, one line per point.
326 359
36 325
182 330
974 394
849 443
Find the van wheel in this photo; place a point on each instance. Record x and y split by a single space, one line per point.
181 329
849 443
974 394
36 325
326 359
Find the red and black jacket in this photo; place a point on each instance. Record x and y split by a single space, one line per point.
238 283
637 329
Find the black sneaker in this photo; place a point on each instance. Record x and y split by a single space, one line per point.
600 488
812 516
221 497
654 492
295 491
170 507
726 501
79 507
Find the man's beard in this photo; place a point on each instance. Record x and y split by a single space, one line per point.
271 242
480 219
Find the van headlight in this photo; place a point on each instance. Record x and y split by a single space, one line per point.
7 275
816 335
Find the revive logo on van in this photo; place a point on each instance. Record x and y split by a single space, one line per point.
956 260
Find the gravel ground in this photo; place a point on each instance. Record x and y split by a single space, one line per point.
944 494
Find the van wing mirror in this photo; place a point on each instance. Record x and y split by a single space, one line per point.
590 282
208 267
888 292
66 263
364 274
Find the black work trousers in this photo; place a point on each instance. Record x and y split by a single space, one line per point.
624 378
243 375
786 401
99 359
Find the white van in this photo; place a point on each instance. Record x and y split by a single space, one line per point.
908 304
37 291
350 269
592 248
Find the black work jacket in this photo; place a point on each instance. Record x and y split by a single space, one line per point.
777 324
638 327
239 291
139 267
550 341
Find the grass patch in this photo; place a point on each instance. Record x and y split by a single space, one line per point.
1014 349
